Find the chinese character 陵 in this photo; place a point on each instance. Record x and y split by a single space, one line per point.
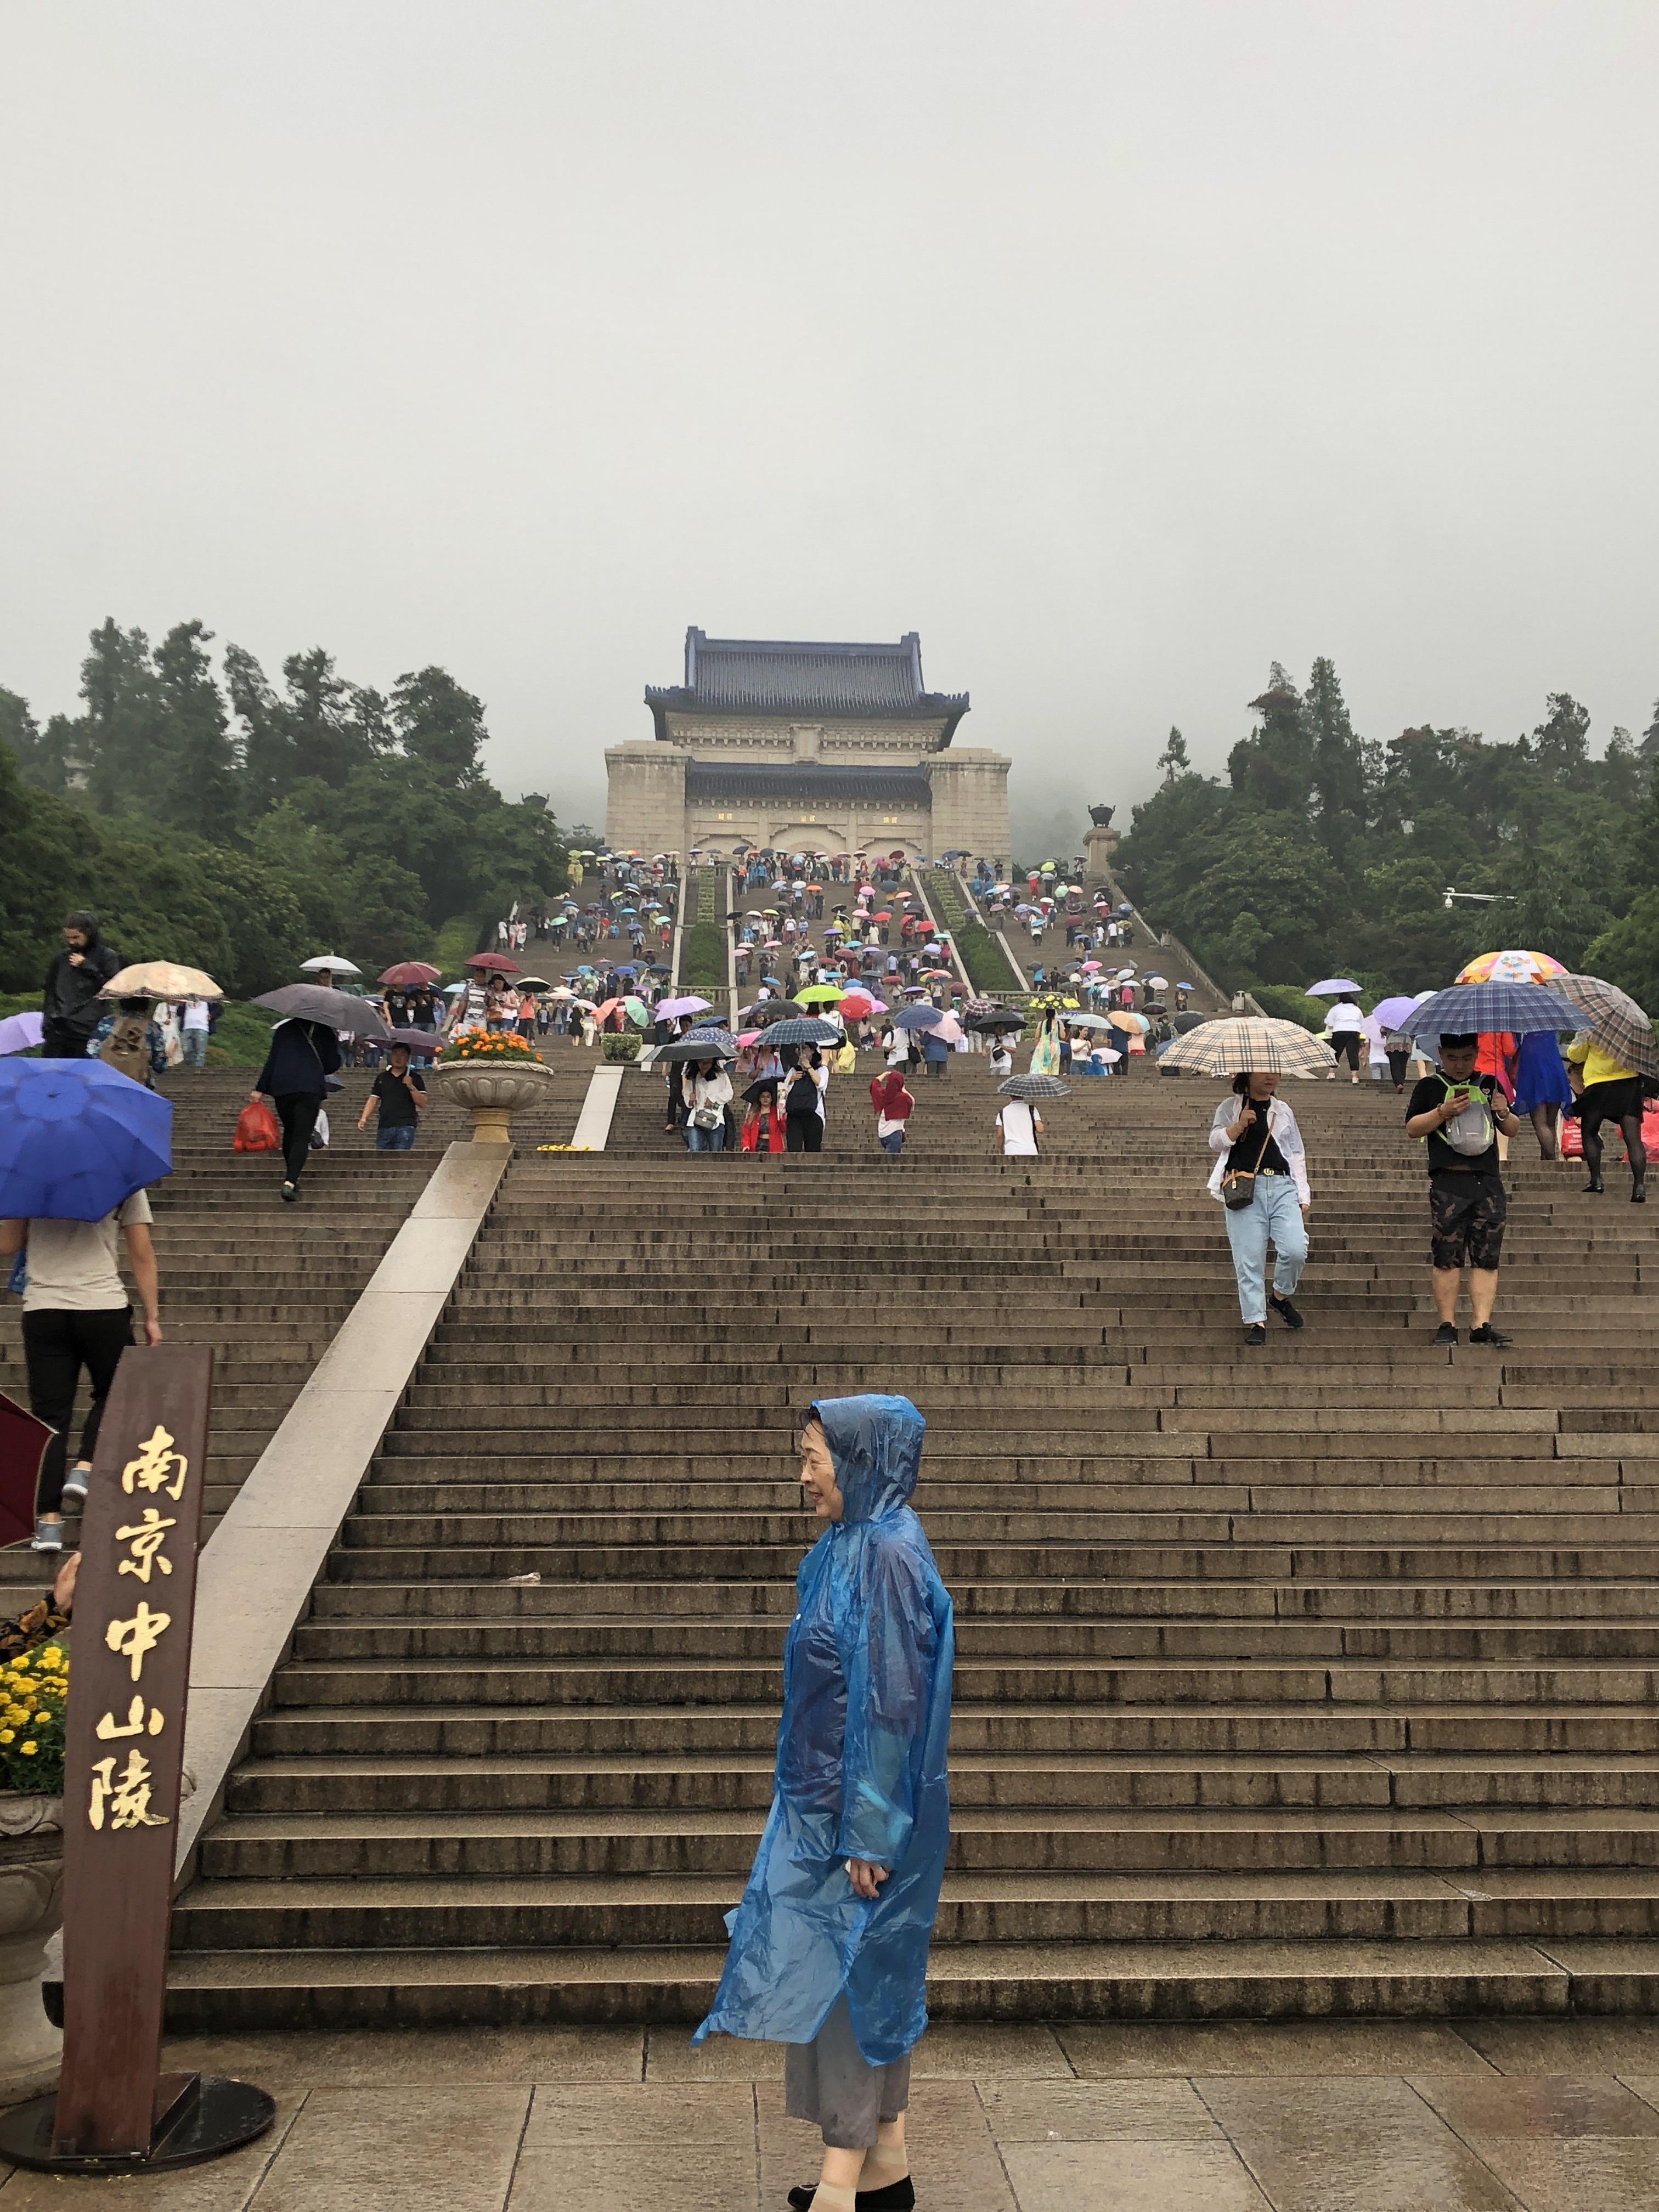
145 1538
133 1638
156 1459
108 1728
127 1800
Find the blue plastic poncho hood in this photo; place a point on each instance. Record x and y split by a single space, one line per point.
861 1768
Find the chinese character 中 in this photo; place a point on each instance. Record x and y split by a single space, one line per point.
127 1800
108 1728
155 1460
133 1638
146 1538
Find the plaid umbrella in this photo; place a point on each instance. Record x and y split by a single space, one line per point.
1249 1045
1034 1086
802 1031
1613 1020
1467 1009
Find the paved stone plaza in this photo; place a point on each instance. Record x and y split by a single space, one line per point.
1501 2116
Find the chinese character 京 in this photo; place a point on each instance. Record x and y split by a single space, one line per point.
145 1538
133 1638
108 1728
155 1462
126 1801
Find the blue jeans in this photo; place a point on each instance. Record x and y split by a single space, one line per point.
1271 1212
399 1137
196 1044
895 1143
705 1140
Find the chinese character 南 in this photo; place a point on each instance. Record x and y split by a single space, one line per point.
127 1800
108 1728
133 1638
156 1459
146 1538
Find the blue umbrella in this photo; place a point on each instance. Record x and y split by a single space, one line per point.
919 1018
1467 1009
76 1139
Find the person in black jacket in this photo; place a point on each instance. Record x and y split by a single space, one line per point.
302 1055
70 1011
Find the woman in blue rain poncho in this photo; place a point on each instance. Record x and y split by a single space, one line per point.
828 1949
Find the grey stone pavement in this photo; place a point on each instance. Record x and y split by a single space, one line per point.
1545 2115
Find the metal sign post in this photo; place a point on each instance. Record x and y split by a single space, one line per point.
115 2111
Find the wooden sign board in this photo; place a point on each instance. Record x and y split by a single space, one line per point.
134 1602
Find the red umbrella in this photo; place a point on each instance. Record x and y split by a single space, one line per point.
881 917
923 927
23 1442
857 1004
496 961
409 975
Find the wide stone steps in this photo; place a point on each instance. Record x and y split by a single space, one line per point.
1317 1679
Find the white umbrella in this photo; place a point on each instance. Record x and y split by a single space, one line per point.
335 962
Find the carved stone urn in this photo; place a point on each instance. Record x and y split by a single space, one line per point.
31 1914
493 1092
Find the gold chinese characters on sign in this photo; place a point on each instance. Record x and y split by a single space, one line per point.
120 1799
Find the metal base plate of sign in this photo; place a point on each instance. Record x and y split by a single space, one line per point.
206 2117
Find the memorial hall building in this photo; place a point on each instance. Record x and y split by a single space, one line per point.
805 748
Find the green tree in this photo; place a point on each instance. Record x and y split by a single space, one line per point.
120 735
1173 759
1273 767
200 760
439 724
1560 744
1337 767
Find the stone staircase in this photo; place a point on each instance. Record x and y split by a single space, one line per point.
1308 1680
268 1285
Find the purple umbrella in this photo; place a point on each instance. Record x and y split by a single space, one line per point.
19 1032
1391 1012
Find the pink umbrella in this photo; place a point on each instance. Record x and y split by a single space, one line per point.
750 1037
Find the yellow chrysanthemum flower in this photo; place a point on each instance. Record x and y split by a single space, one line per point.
41 1718
52 1655
28 1750
8 1736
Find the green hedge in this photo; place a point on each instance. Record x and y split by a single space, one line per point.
982 955
702 958
1286 1003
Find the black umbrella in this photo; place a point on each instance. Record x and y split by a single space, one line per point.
421 1042
771 1010
335 1009
765 1082
1006 1018
1184 1022
704 1044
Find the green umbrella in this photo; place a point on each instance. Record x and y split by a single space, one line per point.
636 1011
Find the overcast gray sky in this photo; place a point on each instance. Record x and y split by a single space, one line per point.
1118 350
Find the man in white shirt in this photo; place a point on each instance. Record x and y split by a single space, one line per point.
1020 1126
77 1314
196 1025
1345 1023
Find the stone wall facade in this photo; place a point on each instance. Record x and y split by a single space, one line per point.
649 809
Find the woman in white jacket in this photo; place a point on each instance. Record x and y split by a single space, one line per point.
707 1089
1254 1135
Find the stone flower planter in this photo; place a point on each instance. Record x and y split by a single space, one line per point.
31 1914
493 1092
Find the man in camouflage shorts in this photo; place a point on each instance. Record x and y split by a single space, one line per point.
1467 1205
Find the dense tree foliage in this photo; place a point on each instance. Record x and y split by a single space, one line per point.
1324 852
239 827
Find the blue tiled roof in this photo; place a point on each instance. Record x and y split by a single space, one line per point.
760 676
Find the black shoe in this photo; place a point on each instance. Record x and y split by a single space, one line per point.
1256 1332
1638 1190
1286 1312
1594 1183
291 1192
1446 1333
897 2196
1487 1334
